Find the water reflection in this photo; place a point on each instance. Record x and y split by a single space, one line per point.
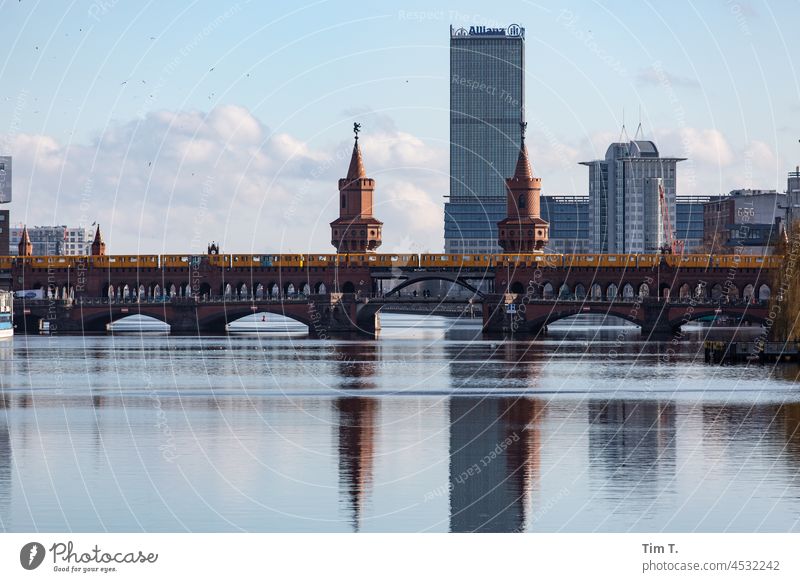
494 463
632 451
5 466
393 435
357 420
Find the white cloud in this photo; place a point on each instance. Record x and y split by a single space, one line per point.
173 181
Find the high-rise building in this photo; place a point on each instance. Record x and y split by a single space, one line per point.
54 240
486 107
625 211
5 197
793 197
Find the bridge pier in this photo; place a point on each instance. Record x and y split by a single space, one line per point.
655 322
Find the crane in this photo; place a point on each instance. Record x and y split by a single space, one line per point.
673 245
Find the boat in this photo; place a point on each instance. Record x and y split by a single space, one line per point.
6 314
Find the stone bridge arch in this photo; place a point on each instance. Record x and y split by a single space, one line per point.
96 320
222 315
538 316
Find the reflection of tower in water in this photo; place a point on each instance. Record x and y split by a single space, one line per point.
357 419
356 442
494 462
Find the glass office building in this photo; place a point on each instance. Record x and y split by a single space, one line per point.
625 213
569 223
486 108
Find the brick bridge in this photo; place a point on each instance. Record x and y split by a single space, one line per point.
205 297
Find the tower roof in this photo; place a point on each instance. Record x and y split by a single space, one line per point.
98 236
25 238
356 169
523 170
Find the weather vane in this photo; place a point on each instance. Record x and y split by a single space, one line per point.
356 129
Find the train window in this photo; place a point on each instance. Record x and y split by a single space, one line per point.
612 259
443 257
372 257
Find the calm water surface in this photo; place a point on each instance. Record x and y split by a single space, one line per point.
430 428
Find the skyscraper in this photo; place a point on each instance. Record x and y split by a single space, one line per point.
486 108
625 214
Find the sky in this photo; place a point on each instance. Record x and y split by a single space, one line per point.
176 123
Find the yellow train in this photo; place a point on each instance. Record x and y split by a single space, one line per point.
375 260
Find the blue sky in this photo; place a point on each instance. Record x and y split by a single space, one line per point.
128 112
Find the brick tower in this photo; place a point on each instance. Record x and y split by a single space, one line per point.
356 230
25 246
523 230
98 245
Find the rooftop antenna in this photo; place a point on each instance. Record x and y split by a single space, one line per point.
639 130
624 132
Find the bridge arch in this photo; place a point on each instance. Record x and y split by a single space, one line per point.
434 276
551 316
96 321
517 287
216 321
712 310
764 292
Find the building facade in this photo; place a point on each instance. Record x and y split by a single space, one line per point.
5 197
793 198
54 240
746 221
486 107
689 222
569 223
625 212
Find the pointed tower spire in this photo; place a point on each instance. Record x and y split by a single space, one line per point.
523 230
25 245
523 170
356 230
356 169
98 245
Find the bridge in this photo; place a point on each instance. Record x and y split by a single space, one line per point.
521 291
342 314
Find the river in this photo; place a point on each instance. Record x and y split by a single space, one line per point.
431 427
